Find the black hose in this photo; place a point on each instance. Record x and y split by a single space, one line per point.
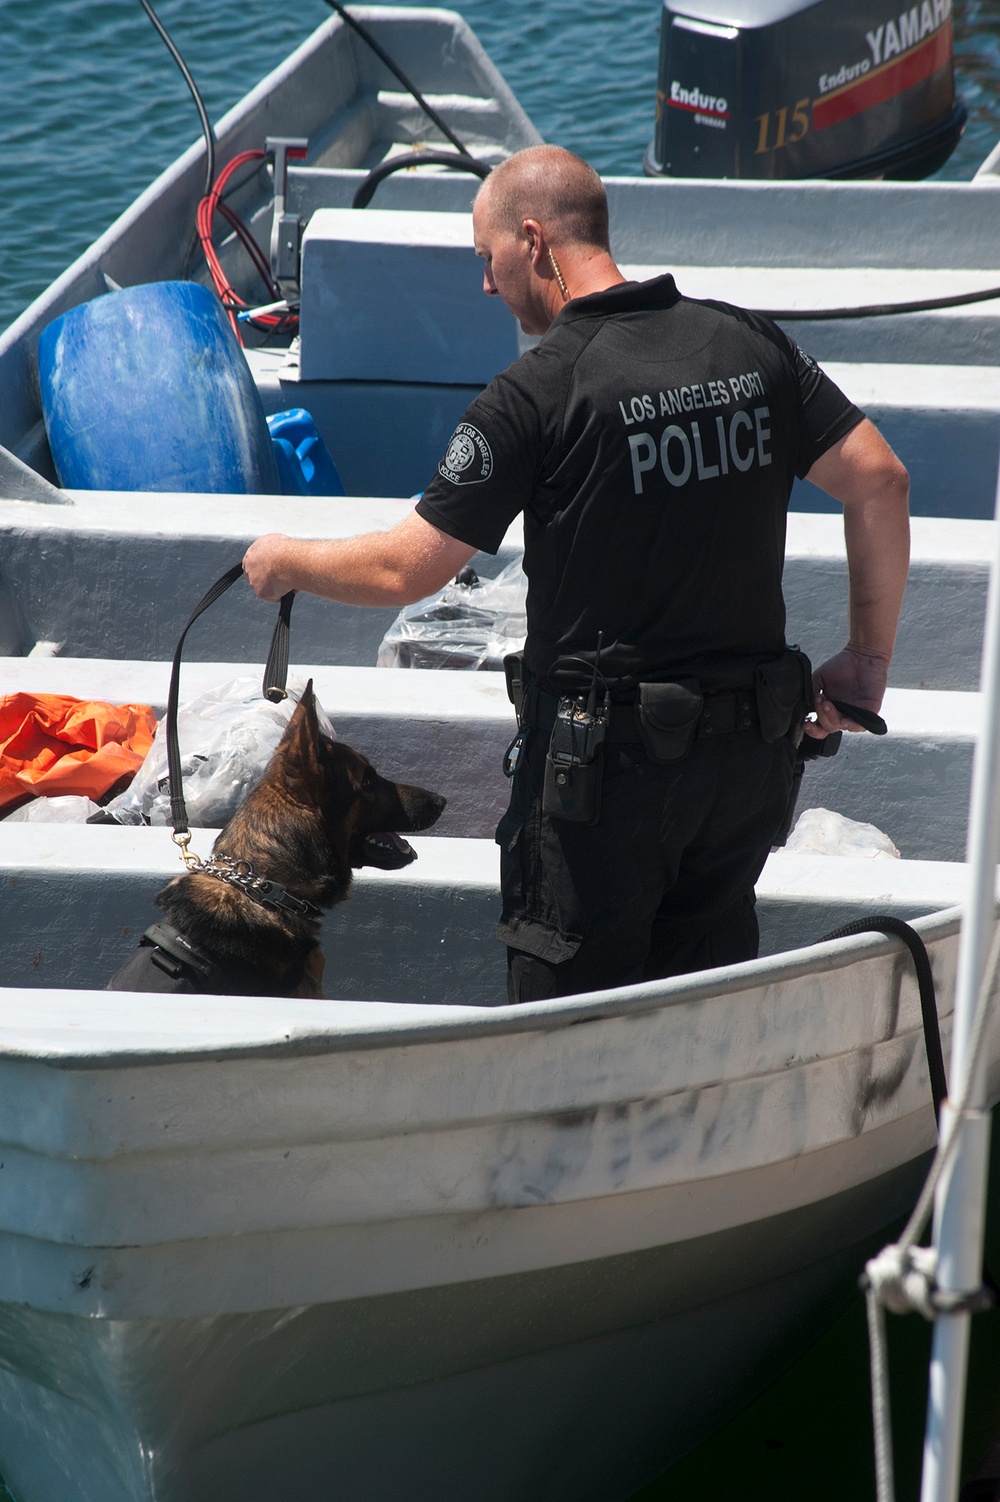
366 190
883 924
206 124
879 309
394 68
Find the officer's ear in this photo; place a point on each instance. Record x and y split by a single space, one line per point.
534 239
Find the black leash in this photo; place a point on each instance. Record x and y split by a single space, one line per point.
162 945
896 928
273 688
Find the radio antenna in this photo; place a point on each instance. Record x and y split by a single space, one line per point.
592 699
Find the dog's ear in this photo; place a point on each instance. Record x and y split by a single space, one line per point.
298 755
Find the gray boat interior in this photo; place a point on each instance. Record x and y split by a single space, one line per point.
94 586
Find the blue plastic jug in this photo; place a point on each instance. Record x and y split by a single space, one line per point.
305 464
148 389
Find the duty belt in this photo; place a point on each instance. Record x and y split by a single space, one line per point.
722 714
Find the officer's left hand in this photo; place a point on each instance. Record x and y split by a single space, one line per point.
855 676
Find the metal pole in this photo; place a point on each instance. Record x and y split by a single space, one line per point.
959 1205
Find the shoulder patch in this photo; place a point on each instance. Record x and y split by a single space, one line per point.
469 459
808 359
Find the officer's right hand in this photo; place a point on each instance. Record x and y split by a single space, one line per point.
266 566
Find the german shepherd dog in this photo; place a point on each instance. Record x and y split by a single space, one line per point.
246 923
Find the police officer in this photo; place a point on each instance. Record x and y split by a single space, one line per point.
651 442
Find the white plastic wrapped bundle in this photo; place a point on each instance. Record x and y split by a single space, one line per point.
820 831
67 809
227 737
469 625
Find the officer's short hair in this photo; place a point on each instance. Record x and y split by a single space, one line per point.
560 190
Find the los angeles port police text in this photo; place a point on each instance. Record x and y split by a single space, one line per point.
701 447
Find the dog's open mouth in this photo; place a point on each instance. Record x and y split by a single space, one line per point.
386 850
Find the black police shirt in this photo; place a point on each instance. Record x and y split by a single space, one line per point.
651 442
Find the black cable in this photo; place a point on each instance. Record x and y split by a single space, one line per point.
206 124
394 68
884 924
880 309
366 189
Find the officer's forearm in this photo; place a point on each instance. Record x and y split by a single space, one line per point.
378 568
864 475
353 570
877 532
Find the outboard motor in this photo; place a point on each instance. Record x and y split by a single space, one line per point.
805 88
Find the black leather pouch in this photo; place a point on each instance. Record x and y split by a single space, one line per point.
668 715
573 793
783 689
515 677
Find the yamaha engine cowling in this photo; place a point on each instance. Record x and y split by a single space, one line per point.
789 88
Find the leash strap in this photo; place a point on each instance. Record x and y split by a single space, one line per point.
273 687
276 667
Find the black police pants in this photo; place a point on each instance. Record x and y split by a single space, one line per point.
662 885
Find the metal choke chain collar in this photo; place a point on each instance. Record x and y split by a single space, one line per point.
240 874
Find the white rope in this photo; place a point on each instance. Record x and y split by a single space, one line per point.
885 1486
902 1277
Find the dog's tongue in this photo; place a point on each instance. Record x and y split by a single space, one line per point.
388 851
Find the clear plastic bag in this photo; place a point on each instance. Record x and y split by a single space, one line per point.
68 809
227 736
470 625
820 831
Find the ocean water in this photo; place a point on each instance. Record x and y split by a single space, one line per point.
93 106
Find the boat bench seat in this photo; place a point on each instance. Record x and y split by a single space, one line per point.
943 421
106 578
105 575
76 899
939 642
448 732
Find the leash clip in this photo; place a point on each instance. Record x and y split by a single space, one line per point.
182 841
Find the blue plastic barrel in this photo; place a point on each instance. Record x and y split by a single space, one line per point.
305 464
148 389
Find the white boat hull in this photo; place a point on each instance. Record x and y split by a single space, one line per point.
362 1248
579 1381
